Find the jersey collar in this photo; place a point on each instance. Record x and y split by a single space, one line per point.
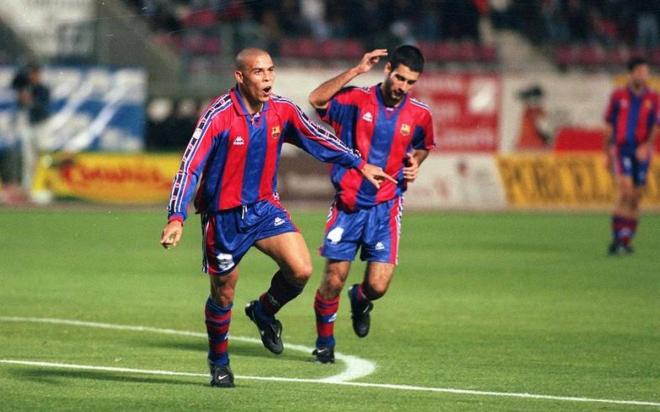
239 105
377 98
642 93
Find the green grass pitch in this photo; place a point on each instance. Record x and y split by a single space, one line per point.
519 302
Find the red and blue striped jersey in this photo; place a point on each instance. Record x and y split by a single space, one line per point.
632 116
234 156
382 135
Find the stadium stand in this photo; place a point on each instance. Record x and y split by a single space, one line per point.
448 30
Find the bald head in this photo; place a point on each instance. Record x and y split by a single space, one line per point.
246 57
254 74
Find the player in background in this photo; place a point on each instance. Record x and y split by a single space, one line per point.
393 131
631 124
233 157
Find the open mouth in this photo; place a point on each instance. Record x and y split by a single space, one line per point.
267 89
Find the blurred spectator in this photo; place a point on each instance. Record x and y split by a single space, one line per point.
313 13
459 20
647 23
555 22
500 14
604 30
33 103
427 21
578 23
533 133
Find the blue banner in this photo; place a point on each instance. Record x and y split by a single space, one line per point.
91 109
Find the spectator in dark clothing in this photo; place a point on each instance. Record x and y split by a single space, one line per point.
33 101
31 94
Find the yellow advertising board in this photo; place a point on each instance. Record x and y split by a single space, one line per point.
565 180
621 80
108 178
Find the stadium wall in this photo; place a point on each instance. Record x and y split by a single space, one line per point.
492 173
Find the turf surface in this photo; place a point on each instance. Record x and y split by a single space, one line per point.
493 302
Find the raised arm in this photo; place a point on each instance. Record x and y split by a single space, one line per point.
321 96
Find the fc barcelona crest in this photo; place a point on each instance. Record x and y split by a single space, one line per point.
405 129
275 132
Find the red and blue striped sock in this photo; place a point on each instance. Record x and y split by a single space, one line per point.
632 223
326 313
620 230
281 292
363 294
218 319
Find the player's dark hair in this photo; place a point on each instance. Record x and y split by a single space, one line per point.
409 56
636 61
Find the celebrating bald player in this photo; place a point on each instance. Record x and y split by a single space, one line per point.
233 156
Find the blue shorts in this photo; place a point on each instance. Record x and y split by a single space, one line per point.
626 163
229 234
375 230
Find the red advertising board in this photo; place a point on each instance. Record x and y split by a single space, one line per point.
465 110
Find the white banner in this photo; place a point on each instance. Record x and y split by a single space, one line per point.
469 181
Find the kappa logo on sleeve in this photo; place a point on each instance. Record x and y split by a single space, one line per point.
368 117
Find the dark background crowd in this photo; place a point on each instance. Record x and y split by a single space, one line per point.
607 22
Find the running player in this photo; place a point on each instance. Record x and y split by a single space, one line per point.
233 156
391 130
629 134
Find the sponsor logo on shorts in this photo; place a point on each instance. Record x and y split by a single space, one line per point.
334 236
225 261
380 246
278 221
627 163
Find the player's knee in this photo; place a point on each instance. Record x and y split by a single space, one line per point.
626 190
222 295
333 286
377 289
302 272
634 202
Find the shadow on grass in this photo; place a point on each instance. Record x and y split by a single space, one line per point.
253 350
57 377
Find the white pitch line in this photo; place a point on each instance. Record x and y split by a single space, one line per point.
356 367
321 381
